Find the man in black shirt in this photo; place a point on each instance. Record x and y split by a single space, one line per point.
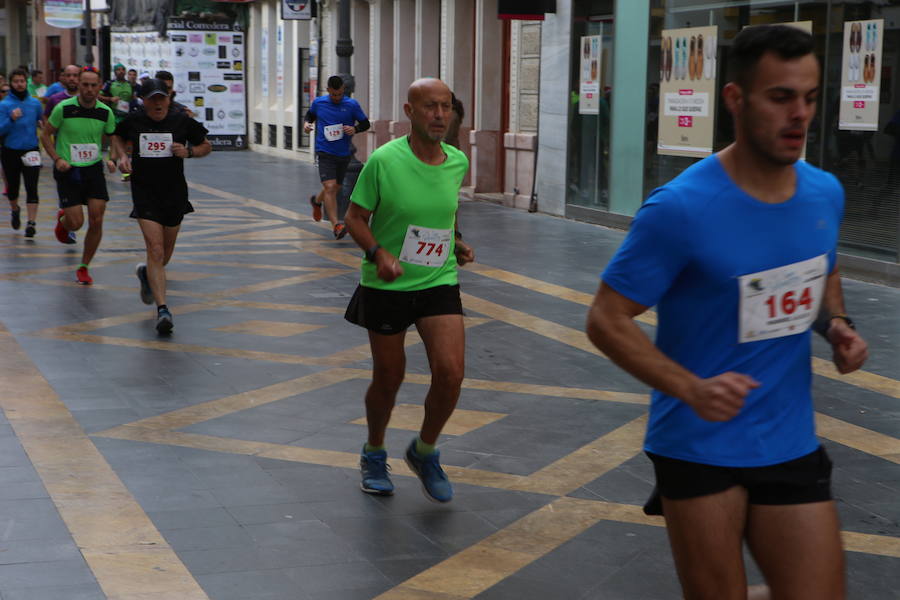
161 138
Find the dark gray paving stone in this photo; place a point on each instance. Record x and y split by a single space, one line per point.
269 584
85 591
337 578
206 538
38 550
272 513
388 538
186 519
47 574
31 519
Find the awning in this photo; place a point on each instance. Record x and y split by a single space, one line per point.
525 10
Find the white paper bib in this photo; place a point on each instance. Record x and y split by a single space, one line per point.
426 247
781 301
84 152
123 106
155 145
31 159
333 132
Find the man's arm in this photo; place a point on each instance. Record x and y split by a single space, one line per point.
357 221
611 328
849 349
6 121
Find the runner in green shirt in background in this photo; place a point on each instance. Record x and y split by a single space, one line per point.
118 92
403 215
80 125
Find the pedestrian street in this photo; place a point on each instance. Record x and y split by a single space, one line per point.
221 462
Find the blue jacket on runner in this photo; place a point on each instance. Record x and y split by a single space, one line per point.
20 134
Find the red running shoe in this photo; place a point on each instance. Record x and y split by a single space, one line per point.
63 235
340 230
317 209
83 277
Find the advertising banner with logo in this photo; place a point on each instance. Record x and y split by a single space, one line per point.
687 91
861 75
297 10
208 65
64 14
589 88
279 61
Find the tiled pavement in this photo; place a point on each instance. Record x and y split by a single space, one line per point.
219 463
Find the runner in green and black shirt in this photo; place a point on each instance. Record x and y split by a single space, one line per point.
79 125
118 93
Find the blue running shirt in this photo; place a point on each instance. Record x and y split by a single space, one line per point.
334 116
696 250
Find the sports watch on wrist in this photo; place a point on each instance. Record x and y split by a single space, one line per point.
371 252
846 319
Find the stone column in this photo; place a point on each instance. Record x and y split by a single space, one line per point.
404 63
487 137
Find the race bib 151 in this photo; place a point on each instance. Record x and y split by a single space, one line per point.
82 153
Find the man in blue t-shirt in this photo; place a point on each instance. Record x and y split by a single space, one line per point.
336 118
738 254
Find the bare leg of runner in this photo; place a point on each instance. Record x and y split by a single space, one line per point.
388 370
445 342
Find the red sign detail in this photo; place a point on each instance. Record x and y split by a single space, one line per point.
685 92
686 121
859 104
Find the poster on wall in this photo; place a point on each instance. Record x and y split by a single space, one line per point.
687 91
208 65
279 61
264 61
589 88
143 51
861 75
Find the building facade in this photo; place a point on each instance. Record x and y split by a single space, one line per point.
612 154
25 39
491 65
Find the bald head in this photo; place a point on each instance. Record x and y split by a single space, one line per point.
69 78
424 87
428 107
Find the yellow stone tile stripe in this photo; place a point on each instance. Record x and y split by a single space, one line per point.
127 555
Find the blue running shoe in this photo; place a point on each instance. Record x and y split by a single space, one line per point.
374 469
435 484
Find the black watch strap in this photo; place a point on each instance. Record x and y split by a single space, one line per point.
370 253
846 319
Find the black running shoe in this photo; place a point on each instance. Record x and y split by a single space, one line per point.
146 292
29 230
164 322
16 220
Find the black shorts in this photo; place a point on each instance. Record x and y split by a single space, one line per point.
799 481
80 184
388 312
332 167
158 206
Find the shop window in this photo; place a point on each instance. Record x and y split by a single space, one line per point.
587 180
273 136
866 162
288 137
257 133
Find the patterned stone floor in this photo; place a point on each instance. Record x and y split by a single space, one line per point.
220 462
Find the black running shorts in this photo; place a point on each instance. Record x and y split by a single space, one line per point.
80 184
332 167
799 481
159 206
388 312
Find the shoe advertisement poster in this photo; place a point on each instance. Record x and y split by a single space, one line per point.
861 75
589 88
687 91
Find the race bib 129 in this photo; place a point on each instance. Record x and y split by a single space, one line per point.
31 159
333 132
155 145
426 247
781 301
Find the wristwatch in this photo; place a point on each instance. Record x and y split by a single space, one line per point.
371 252
846 319
190 152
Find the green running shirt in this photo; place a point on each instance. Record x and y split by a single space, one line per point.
406 195
80 130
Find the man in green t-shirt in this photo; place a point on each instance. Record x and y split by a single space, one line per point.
118 92
403 215
79 125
